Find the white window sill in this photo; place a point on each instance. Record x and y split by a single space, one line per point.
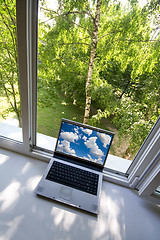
25 216
9 129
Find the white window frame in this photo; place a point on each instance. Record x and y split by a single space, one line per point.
27 29
150 181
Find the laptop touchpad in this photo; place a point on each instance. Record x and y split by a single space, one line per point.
65 193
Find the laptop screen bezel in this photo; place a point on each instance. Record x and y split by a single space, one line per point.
77 159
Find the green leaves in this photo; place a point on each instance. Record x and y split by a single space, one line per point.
125 79
8 58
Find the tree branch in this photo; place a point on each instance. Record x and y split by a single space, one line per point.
11 56
8 98
63 16
127 40
89 13
130 40
12 36
12 19
107 35
81 12
75 12
70 58
73 43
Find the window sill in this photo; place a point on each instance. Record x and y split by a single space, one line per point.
114 163
26 215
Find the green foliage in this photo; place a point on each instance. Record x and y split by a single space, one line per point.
9 85
136 127
104 97
63 56
125 80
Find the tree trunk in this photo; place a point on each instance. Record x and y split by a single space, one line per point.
95 21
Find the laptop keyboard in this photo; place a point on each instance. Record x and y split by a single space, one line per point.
73 177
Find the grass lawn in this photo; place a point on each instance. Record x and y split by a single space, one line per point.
49 118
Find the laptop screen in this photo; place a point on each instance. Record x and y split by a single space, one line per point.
84 142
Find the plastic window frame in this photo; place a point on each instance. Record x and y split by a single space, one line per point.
150 181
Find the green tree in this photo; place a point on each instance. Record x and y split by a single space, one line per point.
9 84
125 75
81 18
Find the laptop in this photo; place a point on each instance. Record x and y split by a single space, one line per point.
74 173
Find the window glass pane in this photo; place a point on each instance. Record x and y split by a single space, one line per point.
10 113
112 61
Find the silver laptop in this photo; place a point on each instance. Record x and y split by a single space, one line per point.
74 174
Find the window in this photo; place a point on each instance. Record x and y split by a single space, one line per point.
27 54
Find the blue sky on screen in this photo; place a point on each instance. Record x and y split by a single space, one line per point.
83 143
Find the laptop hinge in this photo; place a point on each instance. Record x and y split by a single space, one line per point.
80 163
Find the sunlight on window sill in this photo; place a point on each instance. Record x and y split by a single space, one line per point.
32 183
63 218
11 227
112 209
5 196
3 159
